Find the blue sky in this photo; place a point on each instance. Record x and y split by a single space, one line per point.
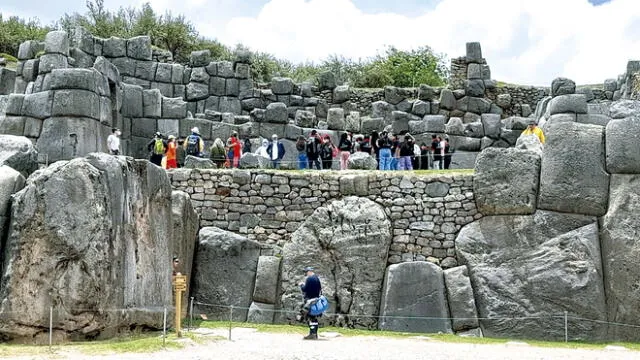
524 41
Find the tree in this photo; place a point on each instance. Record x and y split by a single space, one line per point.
14 31
177 35
411 68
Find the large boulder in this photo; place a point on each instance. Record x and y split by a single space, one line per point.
18 153
64 138
362 161
347 242
268 271
574 103
254 161
562 86
194 162
11 181
573 177
224 273
185 234
624 108
623 146
414 292
527 270
89 234
506 181
462 304
620 256
531 143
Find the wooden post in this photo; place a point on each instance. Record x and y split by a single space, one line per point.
179 285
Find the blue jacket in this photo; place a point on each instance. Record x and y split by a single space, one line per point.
280 150
311 287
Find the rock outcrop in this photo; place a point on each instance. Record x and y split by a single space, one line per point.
185 235
347 242
414 299
89 237
19 153
527 270
224 273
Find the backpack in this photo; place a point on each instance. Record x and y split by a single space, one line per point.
193 143
158 147
319 306
312 146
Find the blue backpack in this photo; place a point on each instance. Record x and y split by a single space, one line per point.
319 307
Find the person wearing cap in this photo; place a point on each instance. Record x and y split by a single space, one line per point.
193 144
172 162
157 147
533 129
113 142
275 150
311 288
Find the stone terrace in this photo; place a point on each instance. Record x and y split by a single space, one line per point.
426 211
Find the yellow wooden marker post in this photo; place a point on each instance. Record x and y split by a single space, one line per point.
179 285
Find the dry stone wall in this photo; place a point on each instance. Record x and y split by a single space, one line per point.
426 212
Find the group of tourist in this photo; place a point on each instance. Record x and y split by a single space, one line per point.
315 151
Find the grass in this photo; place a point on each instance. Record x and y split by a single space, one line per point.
449 338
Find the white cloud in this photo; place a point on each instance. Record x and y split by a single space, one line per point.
524 41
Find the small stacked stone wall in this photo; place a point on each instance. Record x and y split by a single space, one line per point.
426 212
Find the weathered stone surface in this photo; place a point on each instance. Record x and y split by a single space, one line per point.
382 109
624 108
11 181
504 101
474 88
276 113
57 42
197 91
434 123
610 85
491 124
369 125
185 225
414 289
281 86
506 181
562 86
18 153
421 108
341 94
305 119
200 58
393 95
530 143
465 143
347 242
38 105
114 47
139 48
254 161
474 52
107 200
447 100
352 122
623 146
193 162
335 119
362 161
268 271
455 126
64 138
460 298
478 105
260 313
619 254
573 177
224 273
535 266
574 103
594 119
132 101
326 80
174 108
76 103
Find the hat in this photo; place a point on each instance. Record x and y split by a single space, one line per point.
274 136
308 268
171 137
195 130
158 134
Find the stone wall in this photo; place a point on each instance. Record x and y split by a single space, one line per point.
426 212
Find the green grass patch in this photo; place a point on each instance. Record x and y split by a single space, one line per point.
450 338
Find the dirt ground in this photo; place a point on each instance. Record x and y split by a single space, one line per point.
248 344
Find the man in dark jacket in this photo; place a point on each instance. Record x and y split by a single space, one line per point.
275 151
313 150
311 288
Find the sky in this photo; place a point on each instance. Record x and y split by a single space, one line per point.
528 42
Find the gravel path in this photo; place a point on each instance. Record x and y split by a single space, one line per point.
248 344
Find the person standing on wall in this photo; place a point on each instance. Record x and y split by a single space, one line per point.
234 147
448 153
275 150
113 142
301 146
193 144
327 152
313 150
384 144
406 152
172 162
311 288
157 147
345 150
435 152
